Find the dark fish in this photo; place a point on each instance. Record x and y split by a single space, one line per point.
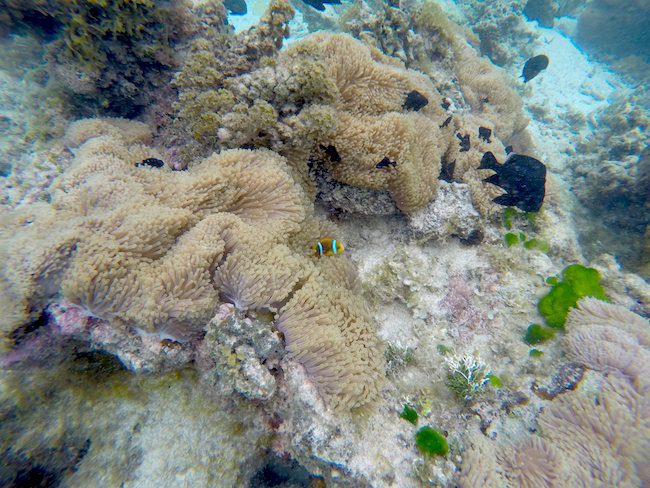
464 142
332 153
415 101
153 162
445 104
447 169
320 4
484 133
522 177
446 122
533 67
236 7
385 163
508 149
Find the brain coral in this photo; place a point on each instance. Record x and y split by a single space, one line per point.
158 250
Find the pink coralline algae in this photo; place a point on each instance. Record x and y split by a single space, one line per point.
460 309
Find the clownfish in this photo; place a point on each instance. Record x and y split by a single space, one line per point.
326 247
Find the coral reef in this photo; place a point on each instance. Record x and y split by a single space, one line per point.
155 249
612 177
314 103
501 28
113 55
584 438
615 30
186 256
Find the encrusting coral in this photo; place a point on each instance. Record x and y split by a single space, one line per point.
108 55
157 250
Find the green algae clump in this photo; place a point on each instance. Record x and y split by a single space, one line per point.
409 414
495 381
431 442
578 282
535 243
536 334
511 239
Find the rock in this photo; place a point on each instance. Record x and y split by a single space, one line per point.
451 213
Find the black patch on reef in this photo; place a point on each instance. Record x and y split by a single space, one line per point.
446 122
445 104
23 332
98 364
36 476
473 239
331 153
153 162
320 4
464 142
236 7
543 11
415 101
485 100
82 454
484 133
279 472
508 149
533 67
522 177
386 163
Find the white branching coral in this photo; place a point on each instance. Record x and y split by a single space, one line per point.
467 375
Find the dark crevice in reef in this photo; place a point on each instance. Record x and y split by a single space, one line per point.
278 472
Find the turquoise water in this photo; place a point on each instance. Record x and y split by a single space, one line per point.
238 247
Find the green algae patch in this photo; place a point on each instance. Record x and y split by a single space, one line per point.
444 350
511 239
508 215
431 442
535 243
410 415
535 353
495 381
536 334
577 282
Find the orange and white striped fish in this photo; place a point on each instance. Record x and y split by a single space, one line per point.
326 247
